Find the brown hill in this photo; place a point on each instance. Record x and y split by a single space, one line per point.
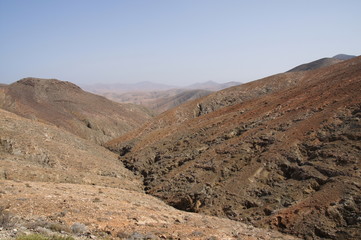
69 107
52 181
282 152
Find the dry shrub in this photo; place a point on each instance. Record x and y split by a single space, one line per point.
6 219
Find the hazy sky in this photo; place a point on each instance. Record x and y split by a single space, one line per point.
176 42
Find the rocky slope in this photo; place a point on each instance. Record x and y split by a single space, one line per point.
53 182
208 104
282 152
67 106
95 212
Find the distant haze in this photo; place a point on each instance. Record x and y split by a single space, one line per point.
171 42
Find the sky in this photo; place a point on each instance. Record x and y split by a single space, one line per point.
174 42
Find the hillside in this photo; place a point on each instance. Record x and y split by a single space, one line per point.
282 152
53 182
67 106
34 151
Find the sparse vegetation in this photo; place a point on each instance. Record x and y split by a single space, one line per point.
57 227
42 237
5 218
79 228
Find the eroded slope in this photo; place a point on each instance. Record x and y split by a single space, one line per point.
283 152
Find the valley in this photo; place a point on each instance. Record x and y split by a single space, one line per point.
276 158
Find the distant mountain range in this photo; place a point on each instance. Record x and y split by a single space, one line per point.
147 86
126 87
157 97
161 97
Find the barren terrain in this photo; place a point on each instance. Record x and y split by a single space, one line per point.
273 157
112 212
53 182
282 152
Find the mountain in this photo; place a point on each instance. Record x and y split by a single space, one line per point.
69 107
53 182
281 152
323 62
147 86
